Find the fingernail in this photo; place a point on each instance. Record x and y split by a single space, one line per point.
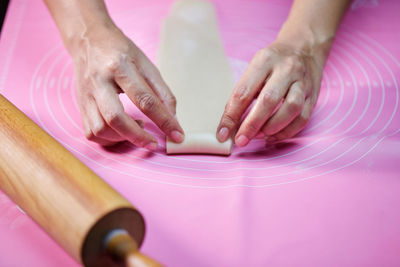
271 139
260 135
177 136
151 146
223 133
242 141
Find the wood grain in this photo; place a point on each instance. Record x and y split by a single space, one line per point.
67 199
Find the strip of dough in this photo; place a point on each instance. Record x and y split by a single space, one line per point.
193 64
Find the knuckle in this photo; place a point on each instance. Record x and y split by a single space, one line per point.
289 65
113 65
166 125
264 54
99 130
293 65
261 58
294 104
88 77
115 62
230 121
113 118
146 102
240 95
269 98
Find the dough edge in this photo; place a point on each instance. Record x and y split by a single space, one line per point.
200 143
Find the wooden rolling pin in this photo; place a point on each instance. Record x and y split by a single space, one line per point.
82 213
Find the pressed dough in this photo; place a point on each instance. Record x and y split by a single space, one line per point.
191 60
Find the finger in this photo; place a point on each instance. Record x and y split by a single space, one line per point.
98 126
245 91
140 123
153 78
89 134
267 101
114 115
99 140
290 109
298 124
82 103
85 121
136 88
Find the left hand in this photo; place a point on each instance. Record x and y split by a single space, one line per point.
284 81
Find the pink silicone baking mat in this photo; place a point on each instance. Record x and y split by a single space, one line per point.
330 197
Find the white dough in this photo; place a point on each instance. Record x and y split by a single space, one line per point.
193 64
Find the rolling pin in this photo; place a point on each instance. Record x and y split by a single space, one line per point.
82 213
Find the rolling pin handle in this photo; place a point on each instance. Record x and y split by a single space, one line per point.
124 248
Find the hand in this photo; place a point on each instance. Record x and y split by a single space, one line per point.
108 63
284 82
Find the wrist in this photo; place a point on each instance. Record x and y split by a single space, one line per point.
306 40
85 32
83 23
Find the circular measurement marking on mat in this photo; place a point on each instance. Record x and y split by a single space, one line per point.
355 112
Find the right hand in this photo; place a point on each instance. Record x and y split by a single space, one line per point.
108 63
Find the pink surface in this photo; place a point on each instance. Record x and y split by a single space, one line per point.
331 197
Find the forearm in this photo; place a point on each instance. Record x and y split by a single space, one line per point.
75 19
312 25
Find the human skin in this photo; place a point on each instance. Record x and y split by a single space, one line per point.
284 78
107 63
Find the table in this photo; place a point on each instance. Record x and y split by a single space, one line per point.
330 197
